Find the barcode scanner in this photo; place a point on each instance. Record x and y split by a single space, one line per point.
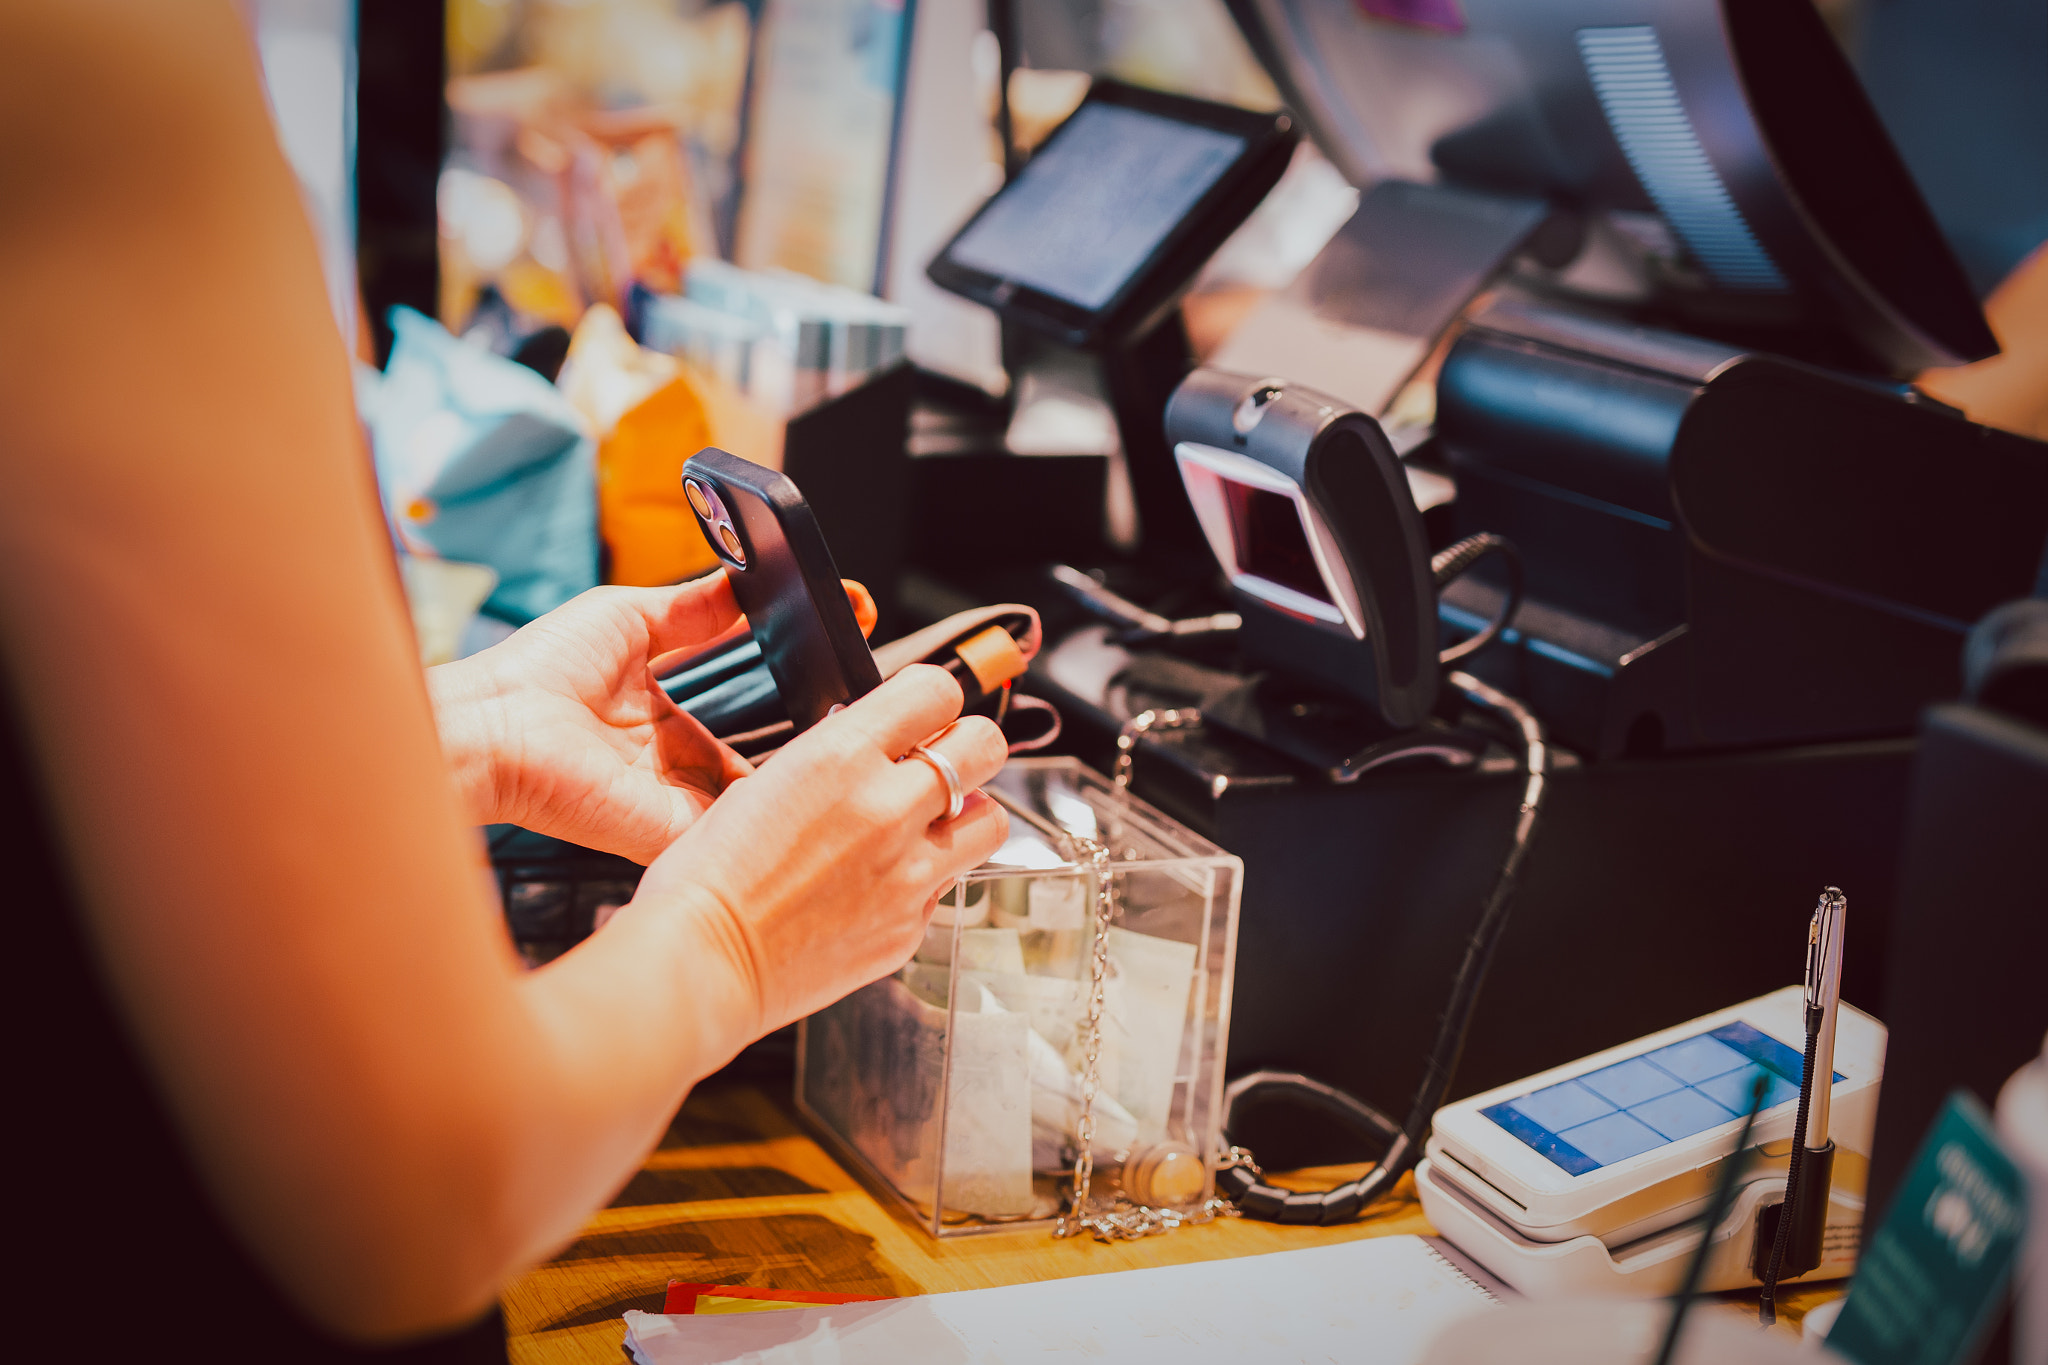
1309 513
1307 509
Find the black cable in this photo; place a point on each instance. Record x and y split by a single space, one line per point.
1453 561
1348 1110
1767 1299
1239 1181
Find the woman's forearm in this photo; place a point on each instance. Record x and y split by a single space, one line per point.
523 1127
632 1018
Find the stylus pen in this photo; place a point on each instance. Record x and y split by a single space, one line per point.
1824 993
1798 1242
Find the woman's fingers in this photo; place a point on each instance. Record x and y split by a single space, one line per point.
974 748
694 614
689 615
825 861
916 703
865 613
966 843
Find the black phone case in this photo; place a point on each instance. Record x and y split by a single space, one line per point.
787 586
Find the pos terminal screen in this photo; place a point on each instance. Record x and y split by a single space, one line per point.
1090 209
1646 1102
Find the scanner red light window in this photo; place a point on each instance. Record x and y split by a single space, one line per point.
1271 544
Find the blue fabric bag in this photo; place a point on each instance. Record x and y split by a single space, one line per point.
482 460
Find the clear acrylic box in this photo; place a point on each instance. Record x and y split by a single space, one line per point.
955 1083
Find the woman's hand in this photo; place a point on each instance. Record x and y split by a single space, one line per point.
817 875
563 730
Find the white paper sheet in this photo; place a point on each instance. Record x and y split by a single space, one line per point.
1379 1300
1145 1018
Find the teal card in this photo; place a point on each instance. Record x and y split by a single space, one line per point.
1927 1284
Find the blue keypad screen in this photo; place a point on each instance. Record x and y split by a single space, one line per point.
1661 1097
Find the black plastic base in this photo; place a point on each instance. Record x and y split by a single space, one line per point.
1806 1247
1338 739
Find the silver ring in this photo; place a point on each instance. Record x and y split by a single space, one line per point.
956 799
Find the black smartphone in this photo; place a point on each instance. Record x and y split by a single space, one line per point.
783 577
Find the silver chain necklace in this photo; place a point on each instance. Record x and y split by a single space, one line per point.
1125 1219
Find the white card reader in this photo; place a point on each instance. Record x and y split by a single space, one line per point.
1587 1178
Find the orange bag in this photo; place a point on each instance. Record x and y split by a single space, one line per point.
646 525
651 413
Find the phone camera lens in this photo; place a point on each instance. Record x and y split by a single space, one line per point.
731 542
699 501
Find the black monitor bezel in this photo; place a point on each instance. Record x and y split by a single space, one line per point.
1269 139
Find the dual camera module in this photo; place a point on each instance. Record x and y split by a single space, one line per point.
718 528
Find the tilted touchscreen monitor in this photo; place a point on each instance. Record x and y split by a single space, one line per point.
1114 214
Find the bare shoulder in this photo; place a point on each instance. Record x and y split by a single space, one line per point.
168 339
125 80
186 508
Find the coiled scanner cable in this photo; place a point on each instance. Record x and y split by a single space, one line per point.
1239 1179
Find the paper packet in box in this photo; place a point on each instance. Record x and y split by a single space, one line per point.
889 1084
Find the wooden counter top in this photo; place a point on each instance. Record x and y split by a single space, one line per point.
738 1194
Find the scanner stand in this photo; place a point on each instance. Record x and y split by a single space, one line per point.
1135 374
1337 738
1139 373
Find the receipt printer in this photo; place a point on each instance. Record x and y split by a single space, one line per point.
1723 548
1589 1178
